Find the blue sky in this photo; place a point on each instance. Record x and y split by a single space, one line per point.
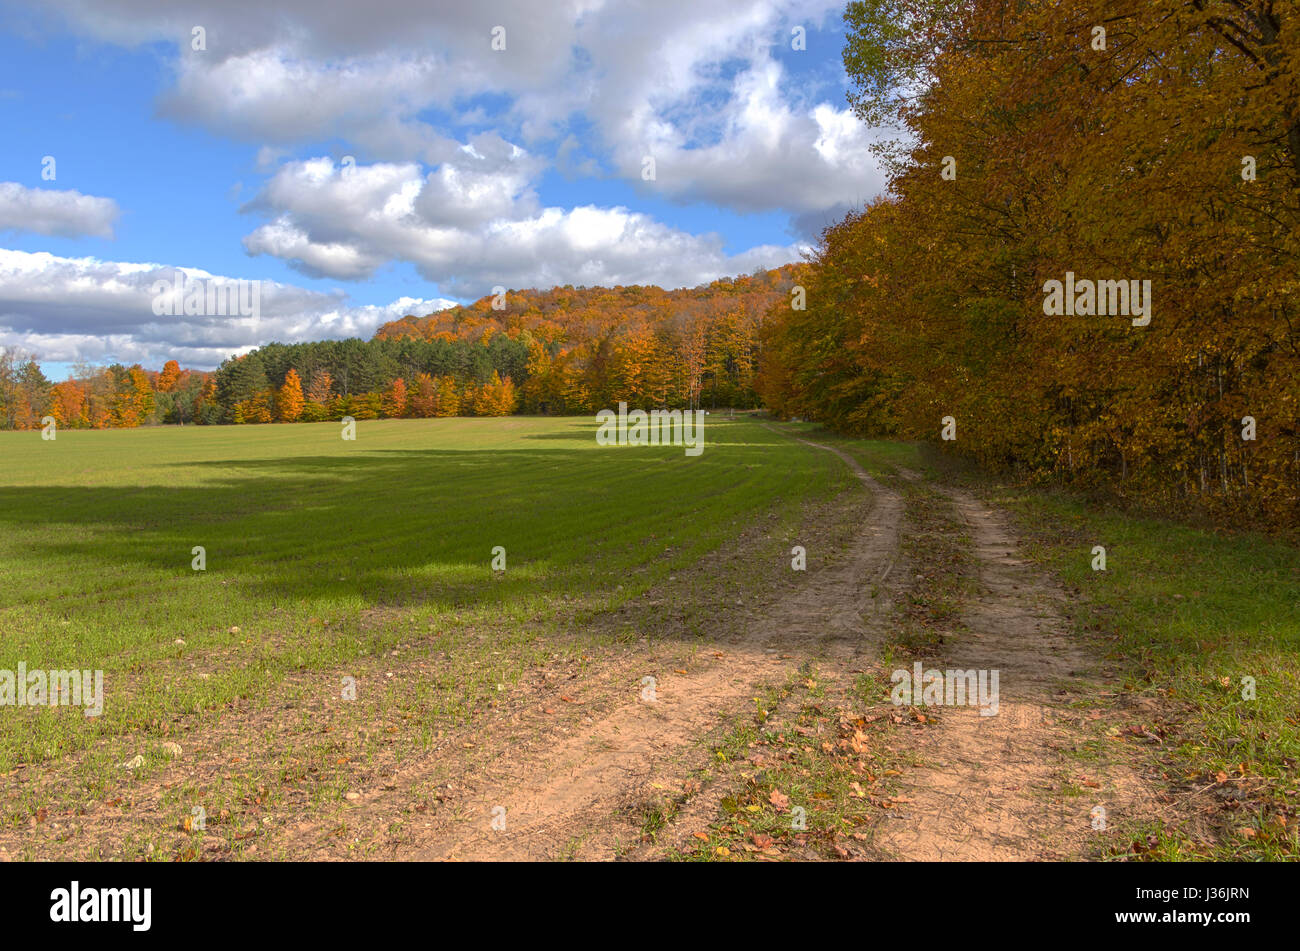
467 167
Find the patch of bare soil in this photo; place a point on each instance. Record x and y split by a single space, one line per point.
1028 782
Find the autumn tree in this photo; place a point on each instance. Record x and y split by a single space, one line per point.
289 401
68 405
496 397
321 390
205 402
132 399
395 400
1165 151
423 398
448 401
169 376
24 391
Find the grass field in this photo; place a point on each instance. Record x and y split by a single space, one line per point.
373 557
320 550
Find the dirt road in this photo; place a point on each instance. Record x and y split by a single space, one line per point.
989 787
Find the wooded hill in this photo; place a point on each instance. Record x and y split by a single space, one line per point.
561 351
588 348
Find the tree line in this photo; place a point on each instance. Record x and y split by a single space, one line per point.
1051 147
561 351
108 397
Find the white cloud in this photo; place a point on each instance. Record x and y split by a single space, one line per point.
470 231
65 214
693 82
68 309
768 153
282 239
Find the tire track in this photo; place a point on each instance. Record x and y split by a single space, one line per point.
576 791
992 789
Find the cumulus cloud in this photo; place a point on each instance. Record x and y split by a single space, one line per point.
703 91
770 154
64 214
473 230
68 309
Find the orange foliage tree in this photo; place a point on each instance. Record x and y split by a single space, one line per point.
169 376
289 401
395 399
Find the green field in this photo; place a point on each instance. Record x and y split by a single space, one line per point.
320 550
327 557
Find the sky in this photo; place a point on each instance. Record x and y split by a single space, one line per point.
358 161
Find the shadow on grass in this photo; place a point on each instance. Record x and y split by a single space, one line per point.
391 526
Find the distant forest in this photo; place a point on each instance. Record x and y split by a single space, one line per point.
561 351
